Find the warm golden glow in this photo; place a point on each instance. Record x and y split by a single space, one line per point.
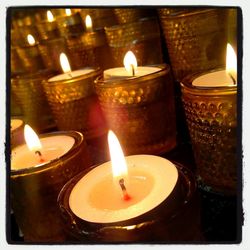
119 166
31 39
64 63
31 139
68 12
88 23
130 62
231 62
50 16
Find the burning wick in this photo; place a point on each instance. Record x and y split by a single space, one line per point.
234 81
69 74
124 190
40 156
133 69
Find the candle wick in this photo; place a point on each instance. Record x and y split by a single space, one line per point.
126 196
234 81
133 69
69 74
37 152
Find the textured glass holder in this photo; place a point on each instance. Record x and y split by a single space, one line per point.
15 63
89 49
34 192
75 105
48 30
196 40
175 219
50 51
28 30
28 91
31 58
129 15
211 114
142 37
140 111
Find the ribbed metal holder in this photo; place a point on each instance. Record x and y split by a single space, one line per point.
211 114
142 37
28 91
140 111
75 105
48 30
196 39
17 134
34 192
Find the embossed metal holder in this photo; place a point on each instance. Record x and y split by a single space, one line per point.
75 105
142 37
196 38
28 92
175 219
34 192
211 115
140 111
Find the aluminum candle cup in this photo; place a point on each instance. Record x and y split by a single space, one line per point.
34 189
191 36
140 37
172 217
28 92
16 129
74 103
140 110
211 114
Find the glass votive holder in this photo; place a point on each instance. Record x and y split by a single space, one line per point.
191 41
74 103
34 190
140 110
16 66
140 37
129 15
48 30
31 58
211 115
28 91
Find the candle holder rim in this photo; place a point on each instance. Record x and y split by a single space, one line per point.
186 84
65 192
33 75
107 83
79 138
96 71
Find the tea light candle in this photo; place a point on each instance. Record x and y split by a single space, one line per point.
15 124
130 69
88 23
124 188
220 78
36 152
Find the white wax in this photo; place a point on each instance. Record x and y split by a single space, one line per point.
214 79
161 174
15 123
70 75
53 147
121 72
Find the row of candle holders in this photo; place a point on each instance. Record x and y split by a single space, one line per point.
140 109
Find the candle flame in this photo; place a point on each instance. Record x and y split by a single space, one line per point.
50 16
68 12
130 62
119 166
231 62
88 23
31 138
31 39
64 63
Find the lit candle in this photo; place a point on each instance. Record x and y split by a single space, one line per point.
99 195
31 40
68 12
88 23
220 78
68 74
130 69
50 16
36 152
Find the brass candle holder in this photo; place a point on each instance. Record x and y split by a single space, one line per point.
34 191
140 111
140 36
28 91
17 132
191 41
16 66
211 114
48 30
74 104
